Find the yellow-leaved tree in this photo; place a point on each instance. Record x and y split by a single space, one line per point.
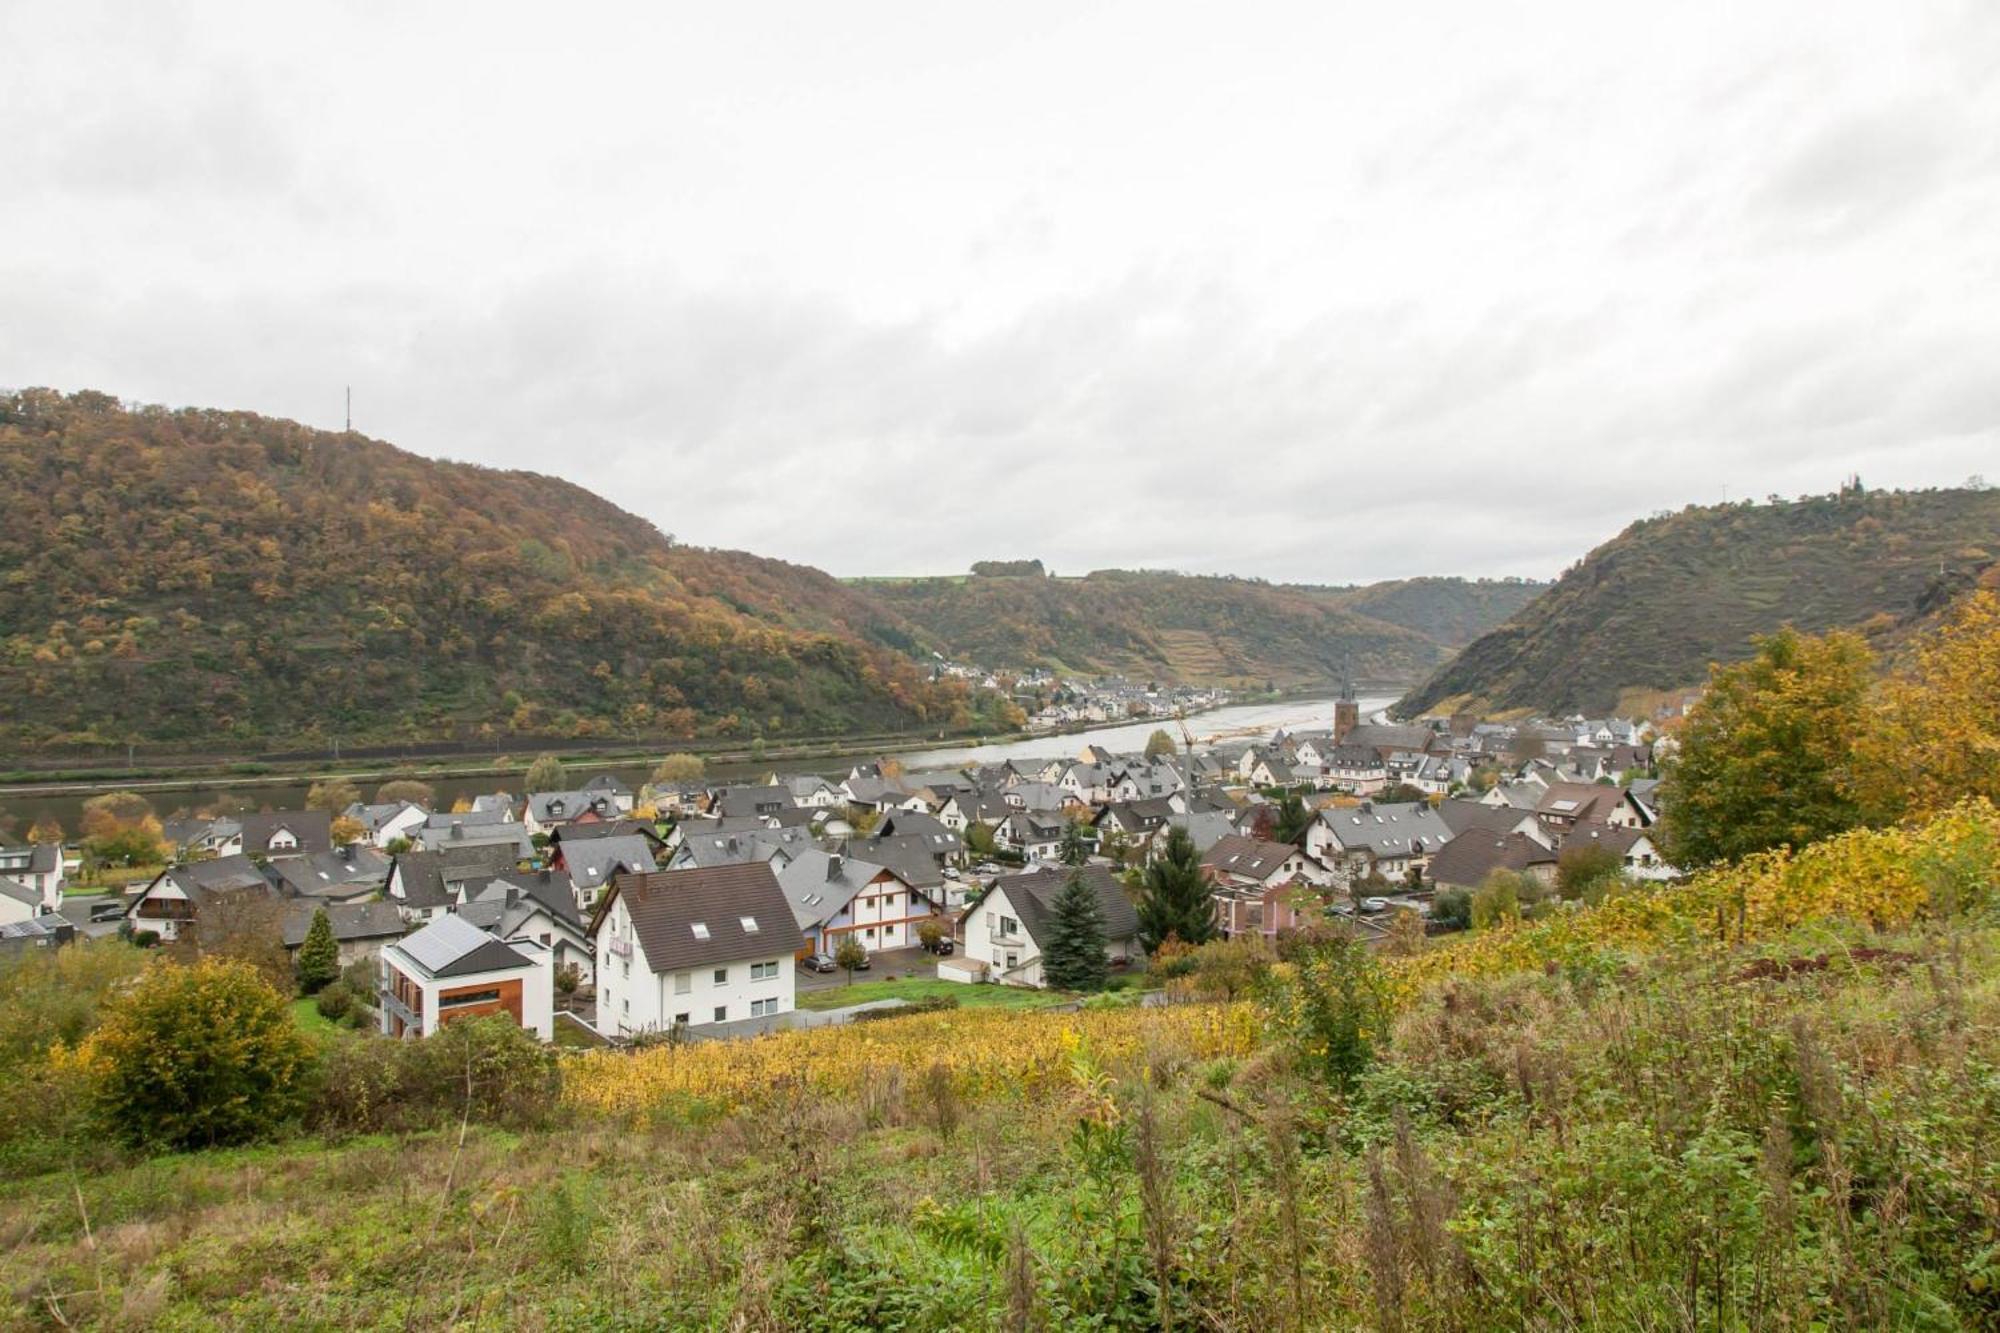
1935 735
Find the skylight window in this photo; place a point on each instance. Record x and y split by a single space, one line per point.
749 924
700 929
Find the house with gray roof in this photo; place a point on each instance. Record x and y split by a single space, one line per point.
1005 928
1389 840
451 969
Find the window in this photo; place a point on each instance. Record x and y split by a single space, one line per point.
763 1008
700 929
749 924
722 1013
1013 961
1009 926
722 976
625 967
683 982
468 997
764 971
870 932
625 1005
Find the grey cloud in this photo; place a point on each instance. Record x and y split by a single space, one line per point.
1862 168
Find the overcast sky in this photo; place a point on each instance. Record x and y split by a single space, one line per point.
1316 291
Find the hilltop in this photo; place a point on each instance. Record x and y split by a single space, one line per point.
1202 629
1650 609
194 576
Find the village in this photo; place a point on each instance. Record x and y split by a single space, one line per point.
694 909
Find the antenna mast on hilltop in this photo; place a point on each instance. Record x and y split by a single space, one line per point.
350 409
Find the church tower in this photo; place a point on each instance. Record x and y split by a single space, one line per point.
1346 711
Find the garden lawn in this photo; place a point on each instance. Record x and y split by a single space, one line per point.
305 1012
923 988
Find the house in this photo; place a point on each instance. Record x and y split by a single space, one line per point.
689 948
834 896
1239 862
539 905
346 873
550 810
45 931
1567 804
1137 819
965 809
703 847
608 786
1204 828
270 835
360 929
426 885
37 866
1034 836
928 830
170 903
444 832
911 856
1004 929
1634 847
773 805
451 969
386 822
1389 840
1269 911
1466 861
1463 816
591 863
811 791
610 828
20 904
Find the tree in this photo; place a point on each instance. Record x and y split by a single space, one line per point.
1074 851
545 774
930 932
139 845
1174 897
405 789
849 956
345 831
1073 952
979 839
319 954
1336 1008
246 927
679 768
398 845
45 829
332 795
1581 867
1766 757
199 1057
1160 745
568 979
1400 793
114 812
1292 820
1452 908
1935 737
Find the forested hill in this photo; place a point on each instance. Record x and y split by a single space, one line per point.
1654 606
1202 629
218 577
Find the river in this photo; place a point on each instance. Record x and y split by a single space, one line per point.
290 793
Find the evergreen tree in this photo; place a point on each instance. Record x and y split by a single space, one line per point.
319 955
1075 851
1174 897
1293 819
1073 955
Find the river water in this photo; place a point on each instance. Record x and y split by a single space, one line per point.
290 794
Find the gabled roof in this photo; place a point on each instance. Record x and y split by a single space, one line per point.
594 860
775 801
1468 859
453 947
342 873
819 884
1460 816
1250 858
911 857
551 890
557 806
713 914
1387 830
20 893
1033 896
607 828
431 879
313 830
225 875
1617 837
350 921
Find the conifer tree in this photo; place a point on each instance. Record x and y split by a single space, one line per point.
1174 898
319 955
1073 955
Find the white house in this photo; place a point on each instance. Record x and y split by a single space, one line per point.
1389 839
835 897
690 948
1004 928
451 969
37 866
169 904
388 821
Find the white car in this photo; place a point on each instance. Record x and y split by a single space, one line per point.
1374 904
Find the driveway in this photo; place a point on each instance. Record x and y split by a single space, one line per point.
911 962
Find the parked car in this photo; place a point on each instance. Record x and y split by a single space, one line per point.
820 962
1374 904
942 948
109 911
987 868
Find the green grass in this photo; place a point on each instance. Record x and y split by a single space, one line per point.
305 1012
922 988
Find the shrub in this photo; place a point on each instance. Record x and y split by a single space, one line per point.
484 1068
199 1056
1452 908
334 1001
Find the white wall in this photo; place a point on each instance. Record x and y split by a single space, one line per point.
631 997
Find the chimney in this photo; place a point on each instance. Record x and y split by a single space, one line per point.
458 831
833 867
545 875
513 896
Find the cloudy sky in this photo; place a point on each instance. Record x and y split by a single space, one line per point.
1317 291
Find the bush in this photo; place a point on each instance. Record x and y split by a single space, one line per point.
197 1057
1452 908
334 1001
487 1068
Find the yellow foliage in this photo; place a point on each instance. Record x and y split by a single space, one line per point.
989 1052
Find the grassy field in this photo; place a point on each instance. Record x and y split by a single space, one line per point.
311 1020
1737 1140
924 988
